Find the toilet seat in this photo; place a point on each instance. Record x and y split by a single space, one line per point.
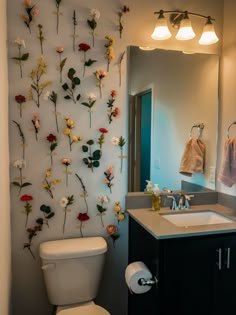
91 309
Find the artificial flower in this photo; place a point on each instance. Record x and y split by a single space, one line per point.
47 214
90 104
122 11
58 2
22 138
100 206
93 159
82 216
62 62
101 138
109 51
21 57
119 213
75 23
36 124
20 99
64 203
109 176
52 139
48 183
53 98
37 86
112 230
95 14
100 75
31 12
67 132
41 37
32 232
70 90
20 164
87 63
119 66
28 206
119 142
66 162
84 194
112 112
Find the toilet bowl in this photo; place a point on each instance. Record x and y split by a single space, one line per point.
84 309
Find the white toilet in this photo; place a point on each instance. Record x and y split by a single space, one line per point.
72 271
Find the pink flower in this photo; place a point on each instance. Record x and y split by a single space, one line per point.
105 180
115 112
27 3
36 121
59 49
113 93
66 161
35 12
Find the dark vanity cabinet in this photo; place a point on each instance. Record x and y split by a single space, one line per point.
196 274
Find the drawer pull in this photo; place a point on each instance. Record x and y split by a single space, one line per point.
219 263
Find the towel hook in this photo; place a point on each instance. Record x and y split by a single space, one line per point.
233 123
200 127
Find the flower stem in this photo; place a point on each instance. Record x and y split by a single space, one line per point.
64 223
66 175
60 68
90 119
21 74
80 228
84 63
102 220
93 37
121 162
29 249
58 18
55 113
51 159
100 88
20 110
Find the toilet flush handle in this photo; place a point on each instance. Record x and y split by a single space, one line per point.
48 266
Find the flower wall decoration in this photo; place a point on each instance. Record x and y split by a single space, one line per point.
48 183
110 55
21 57
92 23
93 159
119 142
67 132
66 162
52 139
87 63
32 232
53 98
84 194
120 68
40 37
20 164
102 199
111 111
22 138
122 11
71 89
109 176
101 138
100 75
47 214
74 28
30 11
82 217
28 206
37 87
62 62
119 213
90 104
64 203
36 124
58 2
113 233
20 99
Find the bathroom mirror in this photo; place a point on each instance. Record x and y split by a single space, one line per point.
169 92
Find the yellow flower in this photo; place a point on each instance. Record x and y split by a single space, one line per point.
75 138
48 172
44 185
69 122
56 181
120 216
66 131
117 206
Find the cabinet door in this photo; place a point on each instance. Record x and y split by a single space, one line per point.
189 273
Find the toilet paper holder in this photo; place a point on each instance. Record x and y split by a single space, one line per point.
150 282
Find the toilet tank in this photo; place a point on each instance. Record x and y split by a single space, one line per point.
72 268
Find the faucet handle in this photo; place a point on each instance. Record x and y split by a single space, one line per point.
174 204
187 199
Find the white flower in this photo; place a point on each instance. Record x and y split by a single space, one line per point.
91 97
46 96
19 163
115 140
102 198
63 202
95 13
19 42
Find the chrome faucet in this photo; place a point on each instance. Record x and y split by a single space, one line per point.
174 203
184 201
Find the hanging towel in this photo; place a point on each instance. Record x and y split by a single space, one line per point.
193 157
227 174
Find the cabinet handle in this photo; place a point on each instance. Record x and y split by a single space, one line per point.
228 258
219 263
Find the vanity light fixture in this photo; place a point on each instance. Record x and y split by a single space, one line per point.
181 21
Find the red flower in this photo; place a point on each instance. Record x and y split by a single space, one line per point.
115 112
125 9
111 229
113 93
103 130
20 98
51 138
26 198
83 47
83 216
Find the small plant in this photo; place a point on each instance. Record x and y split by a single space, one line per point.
93 159
109 176
74 29
41 37
70 90
100 75
100 206
95 14
36 124
119 142
52 139
62 62
20 164
67 132
87 63
119 213
21 57
109 51
53 98
122 11
47 214
90 104
28 206
30 11
111 111
48 183
20 99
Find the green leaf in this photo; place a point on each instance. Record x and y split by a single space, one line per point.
97 155
84 148
53 146
40 221
26 184
45 209
71 73
25 56
92 24
101 209
78 97
33 87
96 164
85 104
16 58
50 215
63 63
65 86
89 62
67 97
76 81
16 184
86 161
90 142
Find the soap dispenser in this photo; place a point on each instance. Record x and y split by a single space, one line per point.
148 189
156 198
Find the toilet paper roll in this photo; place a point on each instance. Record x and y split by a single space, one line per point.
133 273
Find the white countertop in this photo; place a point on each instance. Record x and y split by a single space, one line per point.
160 228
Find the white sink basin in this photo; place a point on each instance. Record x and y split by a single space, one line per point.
196 218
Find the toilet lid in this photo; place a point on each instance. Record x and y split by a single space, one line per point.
85 310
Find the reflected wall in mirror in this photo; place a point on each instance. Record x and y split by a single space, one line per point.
169 92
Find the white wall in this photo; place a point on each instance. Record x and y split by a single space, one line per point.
5 245
29 295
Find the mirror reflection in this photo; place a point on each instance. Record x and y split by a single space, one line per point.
169 92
